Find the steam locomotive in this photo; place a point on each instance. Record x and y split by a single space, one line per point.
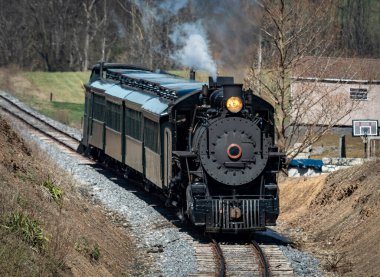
209 148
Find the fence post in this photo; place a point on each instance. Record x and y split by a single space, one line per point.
342 146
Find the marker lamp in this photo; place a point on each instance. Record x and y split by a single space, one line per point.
234 104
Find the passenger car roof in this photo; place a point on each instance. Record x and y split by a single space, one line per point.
143 89
118 91
156 106
101 85
138 97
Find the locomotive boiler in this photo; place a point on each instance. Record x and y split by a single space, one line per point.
209 148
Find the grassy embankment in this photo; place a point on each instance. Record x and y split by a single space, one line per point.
67 94
48 226
36 88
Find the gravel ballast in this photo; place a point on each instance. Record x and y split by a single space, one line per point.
169 247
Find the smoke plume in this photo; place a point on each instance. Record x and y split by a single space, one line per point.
232 29
194 49
211 34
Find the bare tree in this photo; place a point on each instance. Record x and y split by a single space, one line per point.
291 31
358 20
15 36
91 26
134 30
70 35
51 35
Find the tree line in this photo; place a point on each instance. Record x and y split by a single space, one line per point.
71 35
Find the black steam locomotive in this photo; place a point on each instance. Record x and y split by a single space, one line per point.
208 147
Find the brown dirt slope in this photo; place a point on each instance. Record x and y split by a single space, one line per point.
337 217
45 235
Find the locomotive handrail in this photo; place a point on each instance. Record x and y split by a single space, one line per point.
150 86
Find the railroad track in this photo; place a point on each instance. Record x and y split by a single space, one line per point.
236 259
47 132
213 258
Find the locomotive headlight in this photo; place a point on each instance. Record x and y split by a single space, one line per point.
234 104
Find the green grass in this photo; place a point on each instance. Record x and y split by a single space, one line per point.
65 86
55 191
65 112
29 230
66 89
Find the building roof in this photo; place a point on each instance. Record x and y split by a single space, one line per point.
337 69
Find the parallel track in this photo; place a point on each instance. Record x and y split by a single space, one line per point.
38 124
42 129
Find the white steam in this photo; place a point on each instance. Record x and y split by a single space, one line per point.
173 6
194 49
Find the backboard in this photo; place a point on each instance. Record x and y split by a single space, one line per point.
364 127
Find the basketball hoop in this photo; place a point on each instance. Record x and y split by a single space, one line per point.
364 129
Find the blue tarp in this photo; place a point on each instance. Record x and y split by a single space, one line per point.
307 163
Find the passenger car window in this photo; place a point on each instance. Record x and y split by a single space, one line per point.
133 124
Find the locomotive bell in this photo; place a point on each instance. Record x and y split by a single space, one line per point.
233 96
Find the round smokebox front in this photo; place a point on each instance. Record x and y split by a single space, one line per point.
231 152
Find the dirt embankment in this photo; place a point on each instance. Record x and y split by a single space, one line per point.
49 228
337 217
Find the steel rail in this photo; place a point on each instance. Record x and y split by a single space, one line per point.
220 257
263 260
43 131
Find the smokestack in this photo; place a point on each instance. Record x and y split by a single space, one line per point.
205 94
192 74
